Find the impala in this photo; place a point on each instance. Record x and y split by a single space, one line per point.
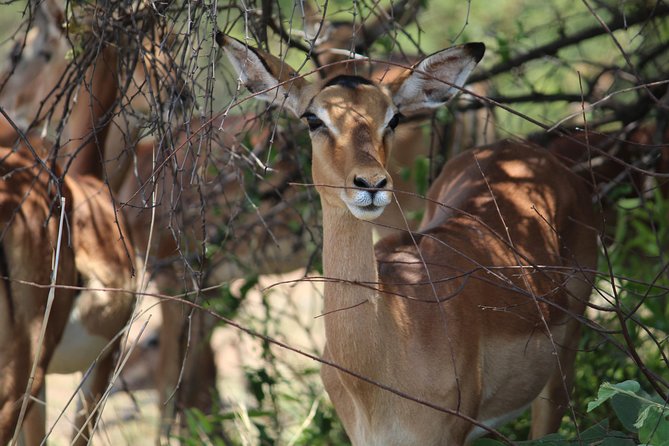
85 322
339 42
166 229
477 311
91 104
133 188
40 84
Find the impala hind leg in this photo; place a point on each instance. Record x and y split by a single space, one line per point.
188 371
34 426
10 404
553 401
87 409
15 365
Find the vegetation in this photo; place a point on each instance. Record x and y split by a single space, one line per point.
551 70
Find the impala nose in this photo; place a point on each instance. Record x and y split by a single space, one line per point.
364 183
370 194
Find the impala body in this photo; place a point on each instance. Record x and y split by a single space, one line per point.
87 320
477 311
98 108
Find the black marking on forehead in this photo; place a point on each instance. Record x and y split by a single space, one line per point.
340 24
348 81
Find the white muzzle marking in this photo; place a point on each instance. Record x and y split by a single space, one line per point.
366 205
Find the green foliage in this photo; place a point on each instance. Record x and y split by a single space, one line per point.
632 290
324 430
503 48
201 425
600 434
641 233
421 175
264 424
637 411
228 301
633 287
608 391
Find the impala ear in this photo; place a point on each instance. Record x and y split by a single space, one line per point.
260 71
436 79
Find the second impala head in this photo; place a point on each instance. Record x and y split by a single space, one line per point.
351 124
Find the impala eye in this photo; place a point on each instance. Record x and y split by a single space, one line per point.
15 54
313 121
394 121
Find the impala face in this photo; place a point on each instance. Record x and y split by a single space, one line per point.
351 140
28 82
351 119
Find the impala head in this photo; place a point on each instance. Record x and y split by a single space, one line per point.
334 40
28 81
351 119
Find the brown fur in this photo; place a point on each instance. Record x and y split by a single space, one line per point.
29 236
462 313
92 255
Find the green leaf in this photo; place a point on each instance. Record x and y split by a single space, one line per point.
503 48
194 419
205 424
548 440
608 390
487 442
628 386
655 428
643 416
595 433
616 438
421 168
405 173
603 395
629 204
627 409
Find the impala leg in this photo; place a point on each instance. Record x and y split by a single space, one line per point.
93 389
199 384
34 425
12 384
187 378
169 364
15 364
553 402
549 407
11 398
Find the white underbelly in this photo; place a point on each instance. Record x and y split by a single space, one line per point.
77 349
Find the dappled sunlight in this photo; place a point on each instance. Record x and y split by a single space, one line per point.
467 200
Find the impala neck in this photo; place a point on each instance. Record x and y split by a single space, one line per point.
348 254
352 319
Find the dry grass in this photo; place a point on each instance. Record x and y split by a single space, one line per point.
123 422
